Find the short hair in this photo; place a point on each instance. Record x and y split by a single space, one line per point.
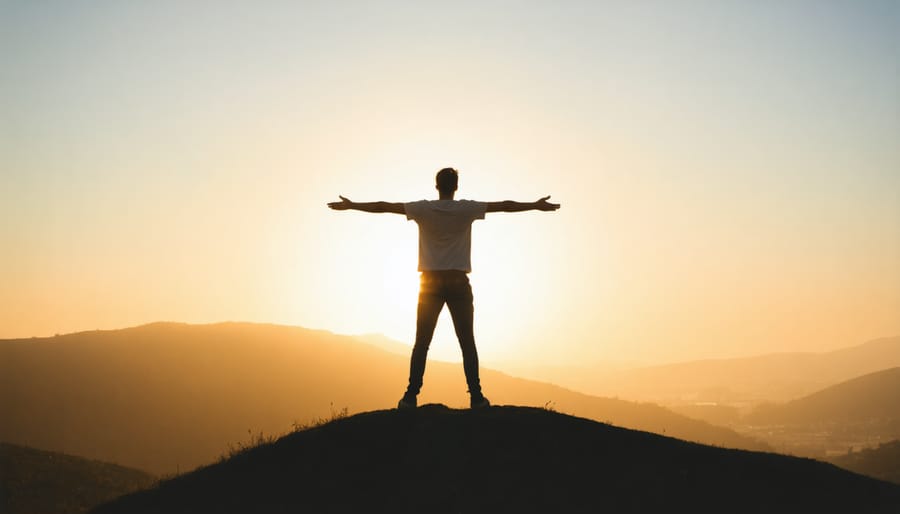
447 180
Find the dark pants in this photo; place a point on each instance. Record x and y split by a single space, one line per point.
437 288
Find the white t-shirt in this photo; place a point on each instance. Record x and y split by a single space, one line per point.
445 232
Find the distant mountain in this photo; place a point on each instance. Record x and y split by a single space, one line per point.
167 396
40 482
745 381
882 462
872 398
504 459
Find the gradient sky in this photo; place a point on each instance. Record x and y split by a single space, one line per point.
729 171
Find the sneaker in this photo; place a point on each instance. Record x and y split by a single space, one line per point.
479 402
407 402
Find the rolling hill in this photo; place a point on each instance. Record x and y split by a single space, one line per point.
855 414
40 482
168 397
871 398
882 462
504 459
776 377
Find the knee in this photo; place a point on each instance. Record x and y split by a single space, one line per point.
466 342
422 343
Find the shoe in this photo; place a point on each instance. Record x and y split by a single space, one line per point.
407 402
479 402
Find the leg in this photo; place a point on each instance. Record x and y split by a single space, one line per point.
462 309
429 308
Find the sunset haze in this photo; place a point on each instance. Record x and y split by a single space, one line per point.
729 173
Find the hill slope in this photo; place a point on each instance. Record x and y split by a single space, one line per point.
39 482
871 398
882 462
774 378
167 396
504 459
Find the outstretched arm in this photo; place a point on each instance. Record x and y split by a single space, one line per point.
511 206
344 204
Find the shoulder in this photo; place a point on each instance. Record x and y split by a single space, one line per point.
415 208
473 209
472 205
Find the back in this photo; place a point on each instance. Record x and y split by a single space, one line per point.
445 232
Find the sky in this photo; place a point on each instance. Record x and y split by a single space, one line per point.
729 172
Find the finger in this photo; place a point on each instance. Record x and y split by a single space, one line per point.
544 199
343 199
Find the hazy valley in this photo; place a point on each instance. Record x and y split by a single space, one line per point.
810 404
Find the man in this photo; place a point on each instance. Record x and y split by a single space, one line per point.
445 242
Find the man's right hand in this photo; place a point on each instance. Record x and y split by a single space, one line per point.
544 205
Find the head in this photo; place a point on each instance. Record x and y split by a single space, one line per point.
446 181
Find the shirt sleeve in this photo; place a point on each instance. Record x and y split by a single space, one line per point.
477 209
413 209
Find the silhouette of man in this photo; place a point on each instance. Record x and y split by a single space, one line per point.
445 242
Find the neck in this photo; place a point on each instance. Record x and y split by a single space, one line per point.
445 196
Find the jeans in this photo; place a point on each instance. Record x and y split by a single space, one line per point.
437 288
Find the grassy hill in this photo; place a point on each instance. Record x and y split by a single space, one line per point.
168 397
882 462
504 459
751 380
40 482
871 398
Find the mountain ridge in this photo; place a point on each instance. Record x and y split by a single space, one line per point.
773 377
170 396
